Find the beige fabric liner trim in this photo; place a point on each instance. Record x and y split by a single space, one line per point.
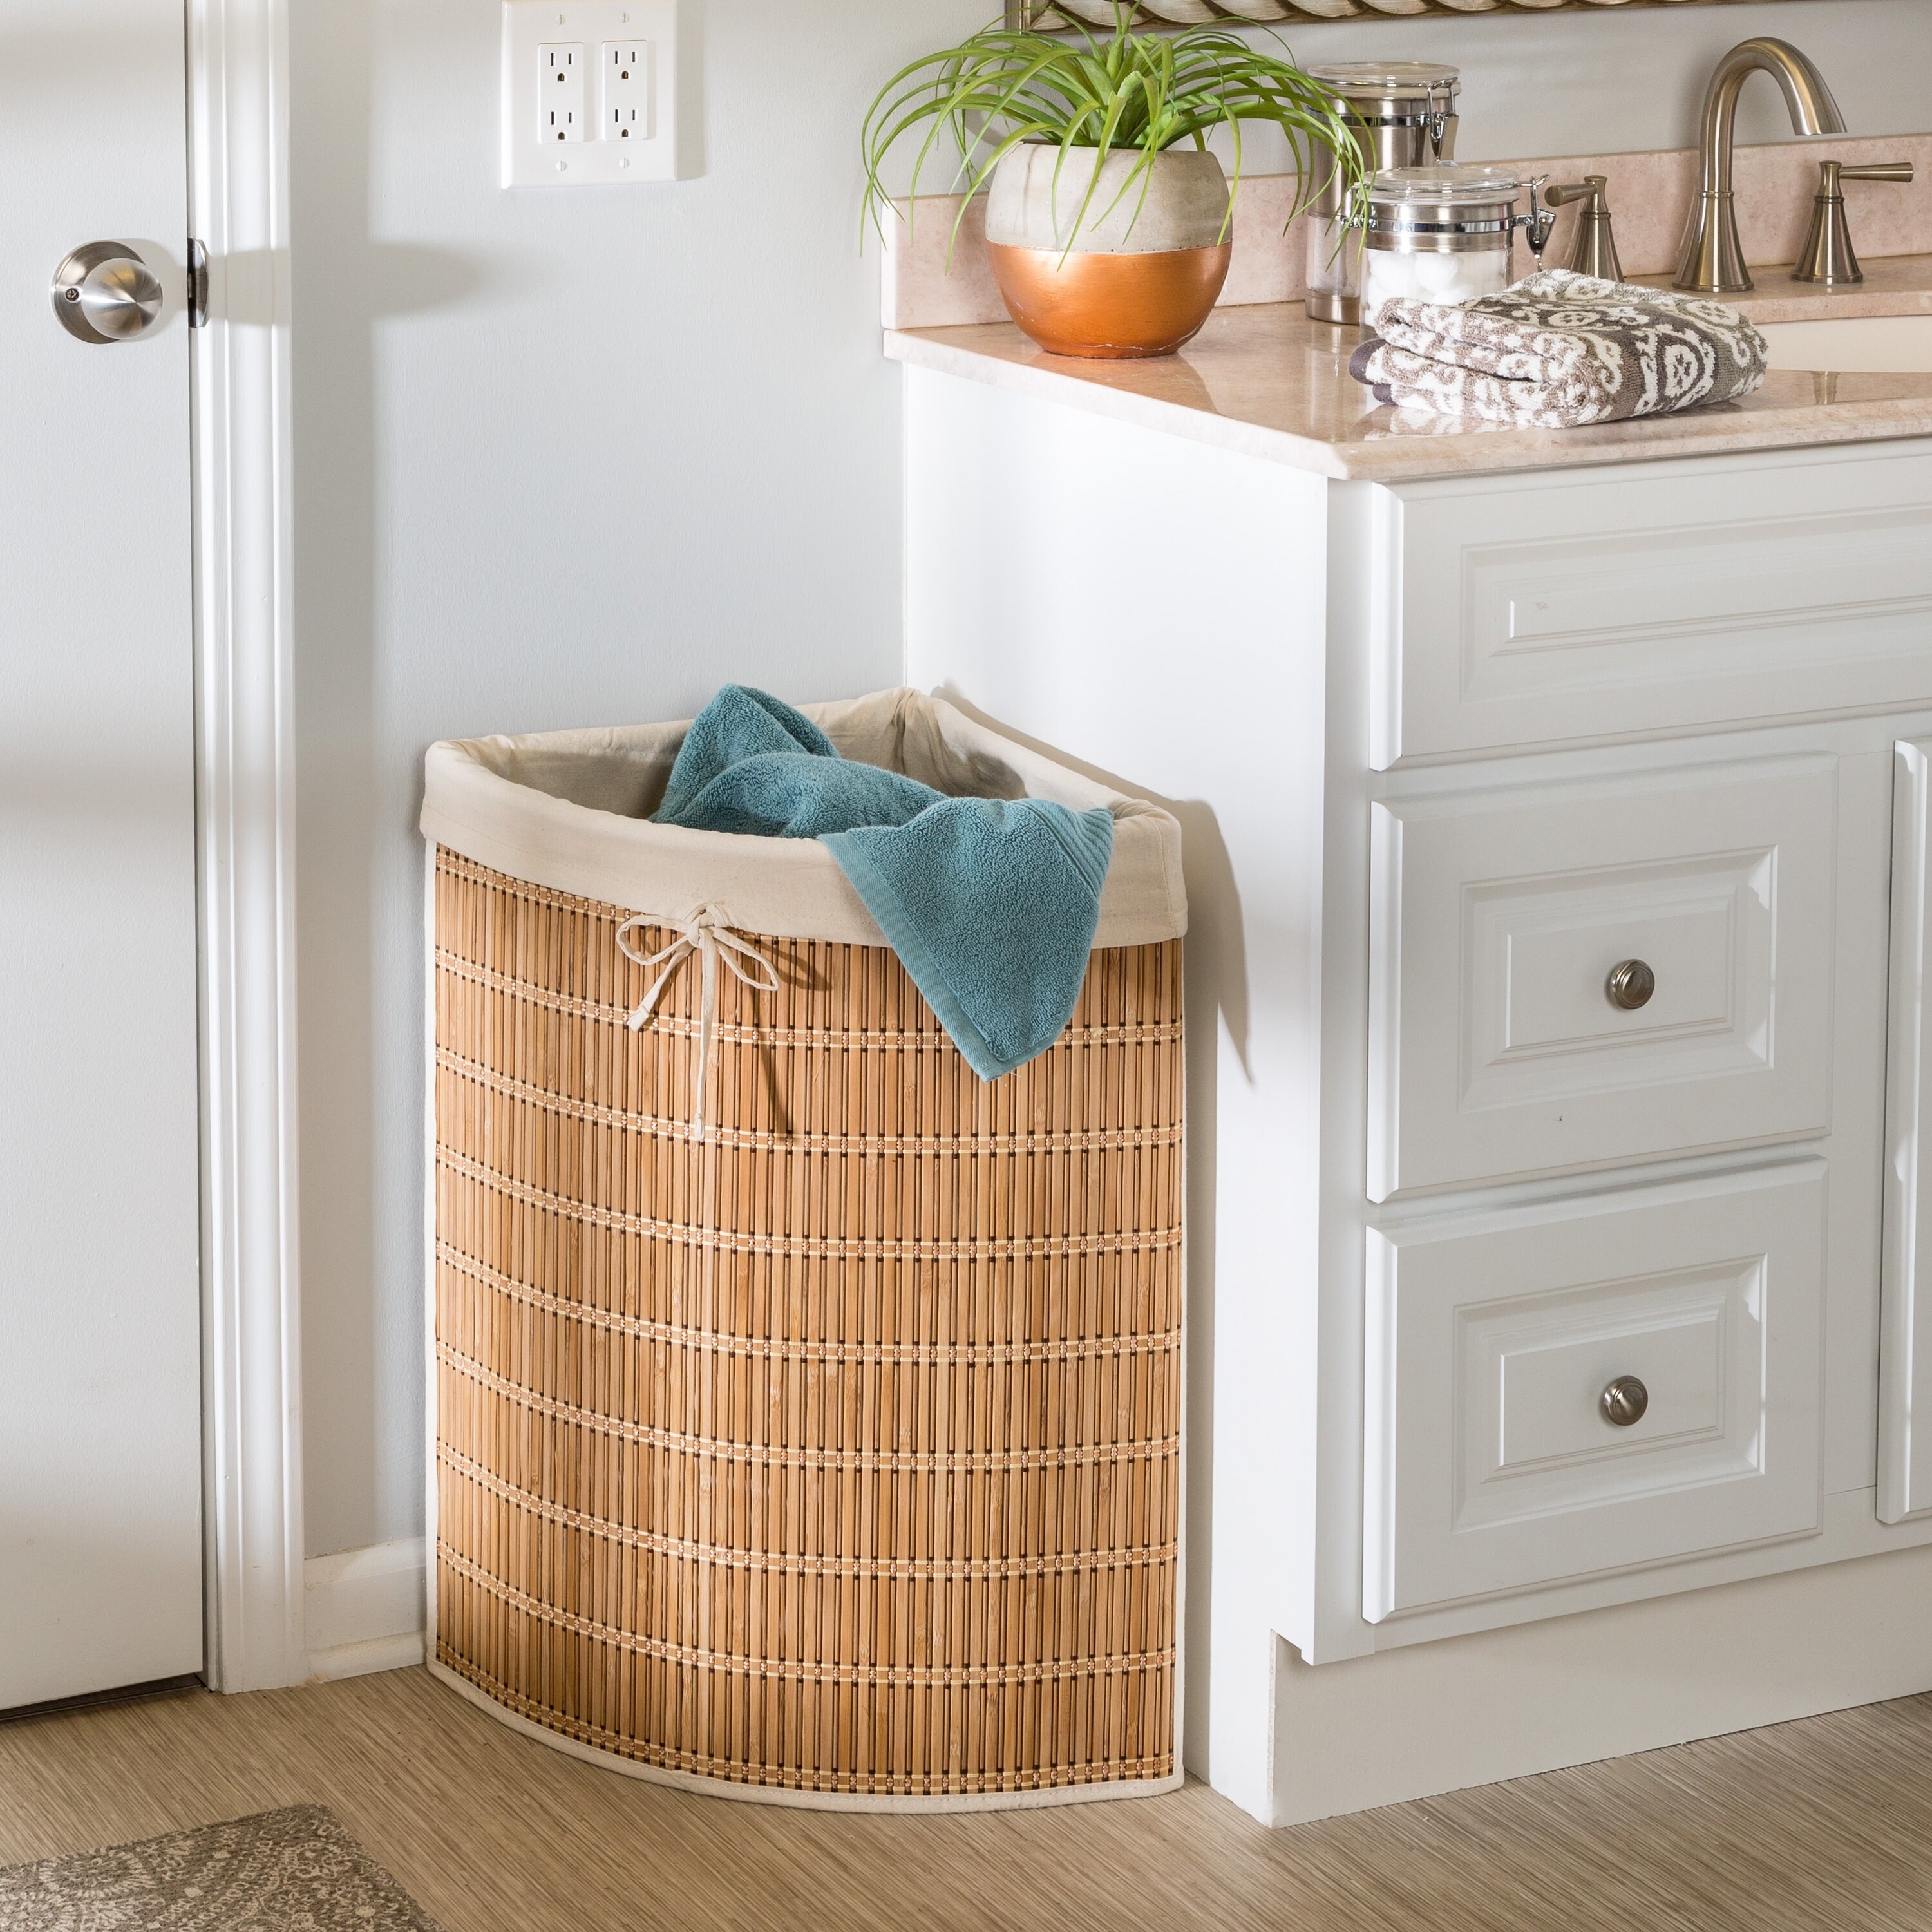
566 809
795 1797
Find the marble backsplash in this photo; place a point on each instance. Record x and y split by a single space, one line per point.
1649 195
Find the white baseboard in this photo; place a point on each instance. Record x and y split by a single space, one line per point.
364 1609
363 1660
1435 1717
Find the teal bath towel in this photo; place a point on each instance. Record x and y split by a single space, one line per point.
991 904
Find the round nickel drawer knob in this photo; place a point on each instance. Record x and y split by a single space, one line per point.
1631 986
1624 1401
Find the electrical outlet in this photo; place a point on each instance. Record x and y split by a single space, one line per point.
595 91
560 92
627 92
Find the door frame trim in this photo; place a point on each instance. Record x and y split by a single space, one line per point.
238 64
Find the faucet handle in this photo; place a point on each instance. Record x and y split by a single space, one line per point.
1590 189
1827 256
1595 251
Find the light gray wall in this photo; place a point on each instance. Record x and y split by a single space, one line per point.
1595 81
577 458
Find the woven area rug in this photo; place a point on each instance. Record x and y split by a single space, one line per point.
279 1871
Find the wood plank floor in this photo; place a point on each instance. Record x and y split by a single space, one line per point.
1821 1824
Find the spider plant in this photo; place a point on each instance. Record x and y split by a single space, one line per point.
1142 93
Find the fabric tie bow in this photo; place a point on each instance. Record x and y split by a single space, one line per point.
708 934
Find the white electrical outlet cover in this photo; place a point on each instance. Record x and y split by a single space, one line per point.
625 122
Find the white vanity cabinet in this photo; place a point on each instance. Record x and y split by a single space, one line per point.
1451 753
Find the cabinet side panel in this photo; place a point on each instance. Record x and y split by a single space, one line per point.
1155 610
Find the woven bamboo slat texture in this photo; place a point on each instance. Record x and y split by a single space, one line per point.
838 1451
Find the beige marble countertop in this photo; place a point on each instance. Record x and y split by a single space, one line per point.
1263 380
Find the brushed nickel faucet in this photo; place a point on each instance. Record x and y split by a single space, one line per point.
1828 255
1713 261
1595 250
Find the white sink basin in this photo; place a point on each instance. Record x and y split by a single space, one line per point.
1891 344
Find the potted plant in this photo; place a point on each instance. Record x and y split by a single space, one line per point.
1107 220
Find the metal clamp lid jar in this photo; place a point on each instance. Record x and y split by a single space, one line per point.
1404 115
1446 234
1396 94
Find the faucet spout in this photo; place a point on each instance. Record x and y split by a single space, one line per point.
1713 260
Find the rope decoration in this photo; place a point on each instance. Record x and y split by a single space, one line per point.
1050 15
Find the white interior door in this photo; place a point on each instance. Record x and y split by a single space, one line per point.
100 1574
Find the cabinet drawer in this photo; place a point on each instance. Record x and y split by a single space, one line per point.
1543 610
1496 1051
1491 1466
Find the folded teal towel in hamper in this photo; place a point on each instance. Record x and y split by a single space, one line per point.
990 904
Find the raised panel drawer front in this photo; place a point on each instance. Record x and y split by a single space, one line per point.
1546 610
1491 1466
1497 1049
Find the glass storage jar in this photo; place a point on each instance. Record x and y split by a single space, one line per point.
1404 111
1445 234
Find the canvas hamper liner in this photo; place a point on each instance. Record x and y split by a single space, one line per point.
829 1453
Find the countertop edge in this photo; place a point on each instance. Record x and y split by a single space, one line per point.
1822 428
917 350
1424 458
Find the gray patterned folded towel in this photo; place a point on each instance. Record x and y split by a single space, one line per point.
1560 349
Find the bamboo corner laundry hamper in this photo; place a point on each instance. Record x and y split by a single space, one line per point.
830 1454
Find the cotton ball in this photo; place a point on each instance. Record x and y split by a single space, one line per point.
1378 283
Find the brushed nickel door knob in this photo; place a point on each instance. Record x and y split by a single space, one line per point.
1624 1401
1630 985
105 292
